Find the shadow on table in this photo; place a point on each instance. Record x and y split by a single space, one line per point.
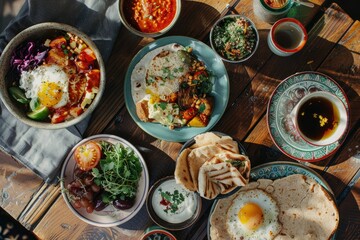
347 205
204 12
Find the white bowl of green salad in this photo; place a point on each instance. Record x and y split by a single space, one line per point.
234 38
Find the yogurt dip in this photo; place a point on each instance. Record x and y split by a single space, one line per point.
172 203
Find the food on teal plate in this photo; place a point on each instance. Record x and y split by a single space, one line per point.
171 206
212 166
105 174
234 38
54 79
292 207
171 86
173 203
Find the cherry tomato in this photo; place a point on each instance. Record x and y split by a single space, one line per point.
87 156
189 113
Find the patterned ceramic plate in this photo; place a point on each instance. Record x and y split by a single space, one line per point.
282 102
110 216
276 170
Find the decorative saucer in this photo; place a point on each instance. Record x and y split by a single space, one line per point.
284 99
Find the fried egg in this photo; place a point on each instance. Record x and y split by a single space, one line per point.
253 214
48 83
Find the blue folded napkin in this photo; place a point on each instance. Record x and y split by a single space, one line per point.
42 150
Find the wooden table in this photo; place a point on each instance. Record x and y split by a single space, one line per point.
333 48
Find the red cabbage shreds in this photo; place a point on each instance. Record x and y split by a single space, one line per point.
28 56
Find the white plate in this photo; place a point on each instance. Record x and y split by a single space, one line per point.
110 216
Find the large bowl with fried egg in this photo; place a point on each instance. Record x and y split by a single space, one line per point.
150 18
53 76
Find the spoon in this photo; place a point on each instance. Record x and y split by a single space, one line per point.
307 4
301 2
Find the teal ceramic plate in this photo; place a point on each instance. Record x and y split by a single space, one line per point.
276 170
220 90
285 97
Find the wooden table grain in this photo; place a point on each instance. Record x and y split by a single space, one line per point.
333 48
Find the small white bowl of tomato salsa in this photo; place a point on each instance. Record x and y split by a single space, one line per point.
234 38
149 18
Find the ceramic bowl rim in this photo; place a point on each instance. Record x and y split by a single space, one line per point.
235 16
296 22
153 34
26 34
164 224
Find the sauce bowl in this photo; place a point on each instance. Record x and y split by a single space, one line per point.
234 38
171 206
149 21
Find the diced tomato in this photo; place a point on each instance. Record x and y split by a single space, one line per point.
56 56
60 115
205 118
93 79
189 113
76 111
87 55
82 65
200 73
58 42
88 155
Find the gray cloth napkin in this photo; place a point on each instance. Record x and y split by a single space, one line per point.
41 150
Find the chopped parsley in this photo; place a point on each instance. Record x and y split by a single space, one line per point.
173 200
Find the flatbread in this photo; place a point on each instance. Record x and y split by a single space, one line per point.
218 219
220 178
303 202
307 210
198 157
182 172
208 149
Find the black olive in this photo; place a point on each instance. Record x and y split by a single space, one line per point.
124 204
100 205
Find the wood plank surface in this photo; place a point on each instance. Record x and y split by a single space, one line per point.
14 194
332 48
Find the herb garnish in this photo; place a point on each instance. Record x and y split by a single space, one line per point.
172 200
119 172
236 163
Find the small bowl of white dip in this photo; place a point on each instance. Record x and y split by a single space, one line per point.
171 206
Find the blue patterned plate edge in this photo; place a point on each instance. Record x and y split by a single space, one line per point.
276 170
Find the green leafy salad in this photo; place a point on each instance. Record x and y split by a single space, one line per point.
119 171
